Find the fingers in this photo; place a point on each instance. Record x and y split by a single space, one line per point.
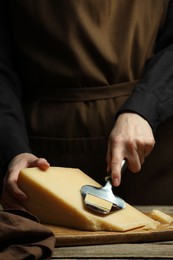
134 153
130 139
12 195
114 162
41 163
7 201
19 162
10 182
116 173
11 191
28 160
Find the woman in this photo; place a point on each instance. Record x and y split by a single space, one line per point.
95 76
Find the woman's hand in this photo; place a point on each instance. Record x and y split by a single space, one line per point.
12 195
132 139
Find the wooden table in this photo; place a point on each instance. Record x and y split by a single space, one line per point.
156 250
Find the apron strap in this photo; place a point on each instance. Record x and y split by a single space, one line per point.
84 94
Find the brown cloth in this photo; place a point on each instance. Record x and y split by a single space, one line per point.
78 67
22 237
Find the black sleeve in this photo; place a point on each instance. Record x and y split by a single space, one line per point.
152 97
13 136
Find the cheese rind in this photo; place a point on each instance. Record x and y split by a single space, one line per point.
54 197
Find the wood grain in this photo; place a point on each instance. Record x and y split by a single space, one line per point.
157 250
73 237
120 251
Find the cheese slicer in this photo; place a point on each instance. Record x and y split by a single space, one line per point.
102 200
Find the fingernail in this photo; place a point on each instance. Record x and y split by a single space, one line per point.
116 182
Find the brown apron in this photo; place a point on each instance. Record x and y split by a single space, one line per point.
80 61
80 133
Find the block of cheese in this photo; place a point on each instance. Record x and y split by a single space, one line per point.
161 216
54 197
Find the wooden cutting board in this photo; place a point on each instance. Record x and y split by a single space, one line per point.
71 237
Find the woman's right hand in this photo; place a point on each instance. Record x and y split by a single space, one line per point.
131 139
12 196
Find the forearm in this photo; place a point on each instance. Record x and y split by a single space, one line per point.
152 97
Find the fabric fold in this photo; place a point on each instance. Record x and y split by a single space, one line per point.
23 237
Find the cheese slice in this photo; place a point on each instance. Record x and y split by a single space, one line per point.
161 216
54 197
